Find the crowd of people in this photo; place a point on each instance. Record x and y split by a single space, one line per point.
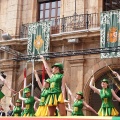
53 102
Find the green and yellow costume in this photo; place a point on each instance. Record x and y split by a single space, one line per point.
17 111
107 108
55 95
29 105
43 109
77 108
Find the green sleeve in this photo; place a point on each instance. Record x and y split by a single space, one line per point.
1 95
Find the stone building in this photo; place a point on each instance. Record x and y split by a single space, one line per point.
80 30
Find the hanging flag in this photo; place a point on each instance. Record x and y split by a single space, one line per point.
38 38
110 33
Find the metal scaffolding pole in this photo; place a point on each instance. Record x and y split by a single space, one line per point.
69 53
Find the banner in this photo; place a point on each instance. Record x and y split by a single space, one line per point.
110 32
38 38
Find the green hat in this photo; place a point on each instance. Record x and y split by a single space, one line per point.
80 93
26 90
105 80
18 101
60 65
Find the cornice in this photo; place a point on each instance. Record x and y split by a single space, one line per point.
21 42
86 33
76 61
7 65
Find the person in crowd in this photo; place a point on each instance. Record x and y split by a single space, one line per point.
29 102
56 94
16 108
42 109
2 112
106 94
78 105
10 111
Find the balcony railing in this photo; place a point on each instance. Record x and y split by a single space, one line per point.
67 24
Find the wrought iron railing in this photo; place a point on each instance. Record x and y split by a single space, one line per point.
67 24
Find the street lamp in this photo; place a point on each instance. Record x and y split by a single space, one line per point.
6 36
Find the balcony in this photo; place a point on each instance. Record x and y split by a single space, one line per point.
69 24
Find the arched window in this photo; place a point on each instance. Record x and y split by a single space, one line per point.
111 5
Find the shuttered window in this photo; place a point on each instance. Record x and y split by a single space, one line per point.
49 10
111 5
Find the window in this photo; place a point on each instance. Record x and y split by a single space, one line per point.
111 5
49 10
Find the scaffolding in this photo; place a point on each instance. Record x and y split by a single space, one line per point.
67 53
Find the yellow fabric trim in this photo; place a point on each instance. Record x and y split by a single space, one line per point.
55 100
105 100
42 111
100 113
24 115
106 113
50 101
60 98
114 112
16 114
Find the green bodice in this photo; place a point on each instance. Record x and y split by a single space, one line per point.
106 97
43 96
29 105
17 111
55 83
77 108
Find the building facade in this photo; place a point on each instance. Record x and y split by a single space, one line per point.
75 27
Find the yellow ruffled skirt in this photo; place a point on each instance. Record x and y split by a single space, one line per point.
108 112
42 111
28 115
54 99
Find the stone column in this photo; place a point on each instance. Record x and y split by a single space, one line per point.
76 79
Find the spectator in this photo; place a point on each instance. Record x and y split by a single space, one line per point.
2 113
10 111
